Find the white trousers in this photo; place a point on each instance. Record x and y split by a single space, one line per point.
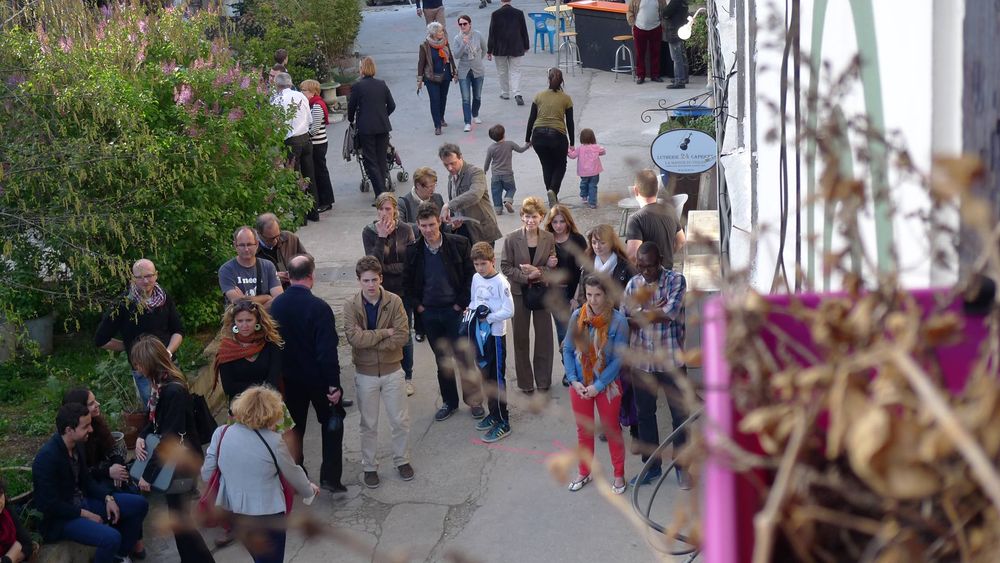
390 390
509 69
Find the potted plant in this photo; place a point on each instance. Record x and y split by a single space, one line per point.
346 78
329 92
116 387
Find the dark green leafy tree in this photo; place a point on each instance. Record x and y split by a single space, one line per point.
126 132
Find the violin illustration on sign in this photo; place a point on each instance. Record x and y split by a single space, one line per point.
684 151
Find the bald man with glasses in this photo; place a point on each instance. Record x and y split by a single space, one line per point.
145 308
247 275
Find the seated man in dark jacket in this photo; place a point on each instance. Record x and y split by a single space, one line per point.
74 507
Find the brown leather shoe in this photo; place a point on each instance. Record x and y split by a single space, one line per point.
405 472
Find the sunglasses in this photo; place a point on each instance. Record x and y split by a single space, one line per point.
463 24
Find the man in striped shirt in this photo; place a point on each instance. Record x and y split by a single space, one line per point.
654 305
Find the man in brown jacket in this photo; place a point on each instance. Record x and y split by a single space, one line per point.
277 245
469 209
375 325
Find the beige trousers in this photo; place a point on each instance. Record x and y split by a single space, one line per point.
390 390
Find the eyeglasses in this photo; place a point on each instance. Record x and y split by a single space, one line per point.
146 277
246 245
271 241
463 24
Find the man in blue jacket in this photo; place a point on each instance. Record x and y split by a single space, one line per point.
311 368
73 506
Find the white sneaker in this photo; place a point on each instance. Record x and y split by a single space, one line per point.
467 128
477 120
409 389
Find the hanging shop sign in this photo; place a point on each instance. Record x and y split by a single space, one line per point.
684 151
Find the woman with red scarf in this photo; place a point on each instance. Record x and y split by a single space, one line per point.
249 349
436 70
15 541
317 133
593 357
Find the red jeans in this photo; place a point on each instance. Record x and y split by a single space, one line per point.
647 42
607 407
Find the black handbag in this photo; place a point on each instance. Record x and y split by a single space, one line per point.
533 295
204 422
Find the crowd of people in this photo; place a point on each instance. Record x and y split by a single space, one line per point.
430 270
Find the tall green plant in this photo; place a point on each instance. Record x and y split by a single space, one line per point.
127 133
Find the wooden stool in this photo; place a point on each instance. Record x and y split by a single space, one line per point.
623 55
572 56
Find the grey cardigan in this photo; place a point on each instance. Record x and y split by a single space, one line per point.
249 482
464 54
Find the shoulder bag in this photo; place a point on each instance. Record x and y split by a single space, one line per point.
429 74
207 501
533 295
286 487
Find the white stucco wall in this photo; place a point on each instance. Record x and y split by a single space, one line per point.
917 65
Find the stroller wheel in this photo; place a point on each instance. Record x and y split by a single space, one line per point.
366 185
402 176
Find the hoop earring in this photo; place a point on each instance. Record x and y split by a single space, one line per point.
257 327
236 330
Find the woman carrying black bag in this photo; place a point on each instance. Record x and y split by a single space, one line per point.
172 420
528 254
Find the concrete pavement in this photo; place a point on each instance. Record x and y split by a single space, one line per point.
486 502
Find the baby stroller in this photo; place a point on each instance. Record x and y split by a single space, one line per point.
353 148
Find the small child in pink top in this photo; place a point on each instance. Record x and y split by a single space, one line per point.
588 165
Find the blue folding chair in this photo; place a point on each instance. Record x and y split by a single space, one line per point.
545 24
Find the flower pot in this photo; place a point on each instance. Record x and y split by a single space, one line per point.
40 331
329 92
134 422
344 90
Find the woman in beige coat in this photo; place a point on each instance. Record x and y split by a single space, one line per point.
528 254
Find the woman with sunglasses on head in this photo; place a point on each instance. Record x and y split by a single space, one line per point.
249 349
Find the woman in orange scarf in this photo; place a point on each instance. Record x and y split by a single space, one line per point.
436 70
593 357
249 349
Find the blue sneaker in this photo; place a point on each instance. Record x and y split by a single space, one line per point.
653 475
499 432
486 423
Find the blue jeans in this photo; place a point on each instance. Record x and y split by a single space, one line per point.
142 384
110 541
679 57
265 537
588 188
503 188
437 93
472 95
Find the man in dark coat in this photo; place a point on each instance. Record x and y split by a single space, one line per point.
311 368
438 281
675 15
74 507
507 43
369 109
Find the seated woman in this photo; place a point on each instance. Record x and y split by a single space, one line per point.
15 540
251 458
105 462
593 357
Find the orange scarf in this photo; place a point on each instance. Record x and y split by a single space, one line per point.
592 358
237 348
442 47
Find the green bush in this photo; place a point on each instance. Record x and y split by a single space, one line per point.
129 135
697 46
314 32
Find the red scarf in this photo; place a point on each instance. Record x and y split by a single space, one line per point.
592 358
326 113
237 348
8 535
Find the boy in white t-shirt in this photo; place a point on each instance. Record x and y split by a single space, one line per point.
490 307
